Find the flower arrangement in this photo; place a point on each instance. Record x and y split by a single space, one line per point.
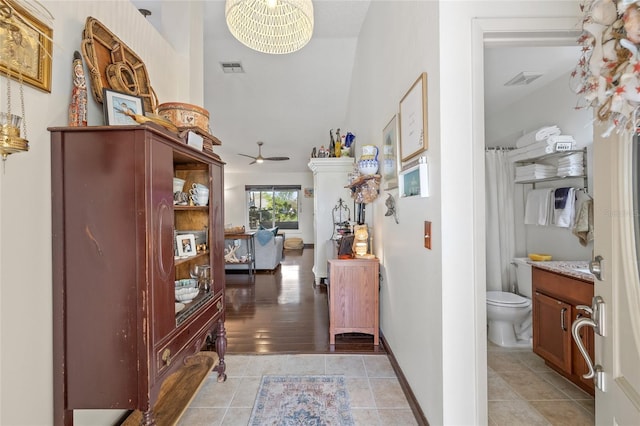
607 76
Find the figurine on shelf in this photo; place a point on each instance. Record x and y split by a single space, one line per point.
78 105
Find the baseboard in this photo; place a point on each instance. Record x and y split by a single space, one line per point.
404 384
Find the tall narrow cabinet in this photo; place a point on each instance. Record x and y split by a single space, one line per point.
330 176
118 332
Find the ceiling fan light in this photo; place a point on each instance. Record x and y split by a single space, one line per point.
280 29
259 160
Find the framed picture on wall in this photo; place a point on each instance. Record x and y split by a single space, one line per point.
413 119
26 47
414 180
389 154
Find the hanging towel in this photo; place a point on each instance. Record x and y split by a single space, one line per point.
538 208
583 227
564 211
561 195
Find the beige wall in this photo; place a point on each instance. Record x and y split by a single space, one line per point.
26 389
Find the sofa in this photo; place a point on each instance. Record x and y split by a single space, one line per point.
268 251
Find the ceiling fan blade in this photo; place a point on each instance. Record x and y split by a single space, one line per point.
253 162
250 156
276 158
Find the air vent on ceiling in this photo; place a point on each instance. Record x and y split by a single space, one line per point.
232 67
523 78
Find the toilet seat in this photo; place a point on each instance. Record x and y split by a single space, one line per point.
503 298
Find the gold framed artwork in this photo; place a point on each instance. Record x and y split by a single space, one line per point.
389 153
25 46
413 119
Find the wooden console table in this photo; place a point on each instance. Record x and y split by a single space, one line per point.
353 291
249 237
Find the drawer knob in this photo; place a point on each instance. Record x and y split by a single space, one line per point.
219 305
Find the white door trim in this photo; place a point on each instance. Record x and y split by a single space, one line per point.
497 31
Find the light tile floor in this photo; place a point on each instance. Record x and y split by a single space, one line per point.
524 391
375 393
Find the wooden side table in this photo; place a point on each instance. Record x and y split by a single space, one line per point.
251 249
353 297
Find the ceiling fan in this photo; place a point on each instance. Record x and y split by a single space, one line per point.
260 159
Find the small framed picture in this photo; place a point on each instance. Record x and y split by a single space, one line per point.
186 244
414 180
118 108
389 153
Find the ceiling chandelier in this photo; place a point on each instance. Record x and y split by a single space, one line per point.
271 26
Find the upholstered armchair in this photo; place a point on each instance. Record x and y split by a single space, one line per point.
269 253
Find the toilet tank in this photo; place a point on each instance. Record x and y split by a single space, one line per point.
523 276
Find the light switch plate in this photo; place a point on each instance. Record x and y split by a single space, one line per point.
427 234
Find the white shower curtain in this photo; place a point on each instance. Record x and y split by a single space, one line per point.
500 218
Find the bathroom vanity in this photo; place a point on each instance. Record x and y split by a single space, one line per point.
558 288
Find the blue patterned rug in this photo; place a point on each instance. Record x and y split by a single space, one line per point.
302 400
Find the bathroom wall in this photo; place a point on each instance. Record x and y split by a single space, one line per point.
553 104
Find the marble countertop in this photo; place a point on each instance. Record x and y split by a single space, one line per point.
572 268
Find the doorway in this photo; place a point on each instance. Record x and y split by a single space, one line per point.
524 34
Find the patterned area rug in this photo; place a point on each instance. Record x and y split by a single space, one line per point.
302 400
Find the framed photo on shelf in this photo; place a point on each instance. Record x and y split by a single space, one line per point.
186 244
27 48
390 161
413 119
117 105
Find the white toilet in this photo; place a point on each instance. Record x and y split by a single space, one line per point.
509 314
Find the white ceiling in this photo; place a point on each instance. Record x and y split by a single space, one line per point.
291 101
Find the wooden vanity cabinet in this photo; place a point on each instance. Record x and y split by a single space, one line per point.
117 332
555 297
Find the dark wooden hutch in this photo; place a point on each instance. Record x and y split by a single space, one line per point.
117 335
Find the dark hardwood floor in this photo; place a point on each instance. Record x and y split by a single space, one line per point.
284 312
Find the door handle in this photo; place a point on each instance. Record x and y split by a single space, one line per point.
596 267
596 311
562 324
597 322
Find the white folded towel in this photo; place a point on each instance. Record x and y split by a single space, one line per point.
554 139
533 151
545 132
570 171
538 208
537 136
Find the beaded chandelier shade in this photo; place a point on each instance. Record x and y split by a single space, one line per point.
271 26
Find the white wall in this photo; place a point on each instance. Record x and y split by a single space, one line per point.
552 104
399 41
235 206
433 302
26 370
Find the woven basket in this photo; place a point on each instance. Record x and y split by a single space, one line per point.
293 243
185 115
